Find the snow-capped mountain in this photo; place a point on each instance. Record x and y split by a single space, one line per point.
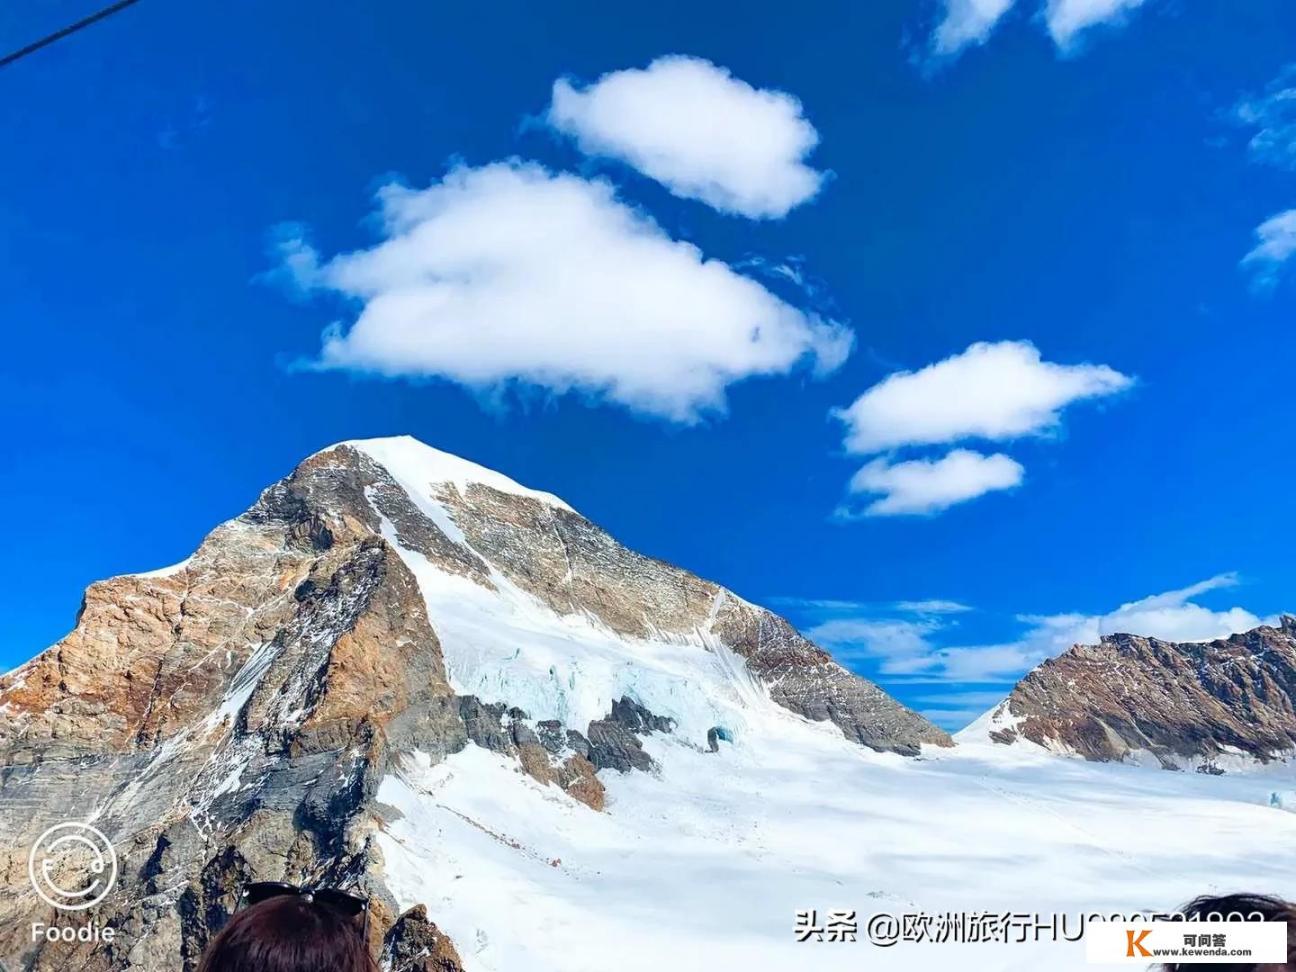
538 750
383 607
1207 706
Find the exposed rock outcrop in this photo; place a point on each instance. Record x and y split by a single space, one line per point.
1207 706
415 944
234 717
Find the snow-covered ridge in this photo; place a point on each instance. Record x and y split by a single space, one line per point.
502 644
362 657
162 571
1218 706
414 465
999 720
995 719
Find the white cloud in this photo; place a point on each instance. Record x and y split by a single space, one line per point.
906 648
967 22
1067 18
1276 244
985 663
819 607
699 131
1171 616
933 606
511 273
1273 117
991 391
921 486
900 644
995 392
911 646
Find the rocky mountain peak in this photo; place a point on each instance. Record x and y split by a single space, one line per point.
380 610
411 461
1209 706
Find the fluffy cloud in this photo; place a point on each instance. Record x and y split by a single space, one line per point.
891 641
912 646
1171 616
1272 116
967 22
699 131
901 645
1067 18
1276 244
511 273
990 391
908 647
926 486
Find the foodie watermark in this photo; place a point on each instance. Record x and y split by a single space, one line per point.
72 867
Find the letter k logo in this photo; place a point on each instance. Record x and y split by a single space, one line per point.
1132 943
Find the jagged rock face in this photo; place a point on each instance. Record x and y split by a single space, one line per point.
802 677
417 945
1190 706
560 557
231 719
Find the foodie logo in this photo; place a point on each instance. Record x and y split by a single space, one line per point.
72 866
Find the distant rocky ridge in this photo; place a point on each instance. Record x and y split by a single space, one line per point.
1210 706
231 718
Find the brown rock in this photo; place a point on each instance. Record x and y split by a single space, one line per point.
579 778
415 944
233 718
1187 705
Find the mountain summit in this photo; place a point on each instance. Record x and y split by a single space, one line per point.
1209 706
286 703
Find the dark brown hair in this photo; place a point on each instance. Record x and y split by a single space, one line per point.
289 933
1235 907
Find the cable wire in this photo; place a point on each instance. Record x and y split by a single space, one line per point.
58 35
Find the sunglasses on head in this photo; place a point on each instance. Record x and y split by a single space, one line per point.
349 905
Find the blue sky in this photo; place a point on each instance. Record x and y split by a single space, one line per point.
954 337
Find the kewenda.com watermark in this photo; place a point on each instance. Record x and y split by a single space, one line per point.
1187 942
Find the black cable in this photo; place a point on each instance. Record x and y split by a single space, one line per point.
70 29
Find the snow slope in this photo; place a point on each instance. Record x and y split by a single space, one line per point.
704 865
700 864
415 465
504 645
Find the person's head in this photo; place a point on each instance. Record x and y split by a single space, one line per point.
1248 907
289 933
